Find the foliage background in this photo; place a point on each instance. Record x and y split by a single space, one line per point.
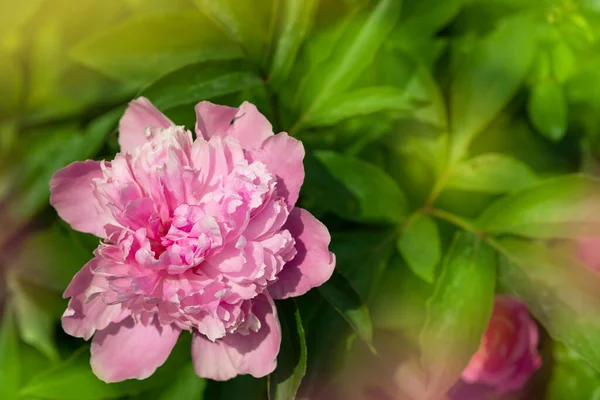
446 141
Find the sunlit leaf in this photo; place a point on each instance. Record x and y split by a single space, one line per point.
490 173
547 109
140 49
419 244
565 206
9 357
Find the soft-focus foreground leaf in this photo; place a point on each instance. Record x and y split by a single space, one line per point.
295 21
547 109
74 380
562 294
36 310
420 246
159 43
291 360
379 197
487 78
11 80
9 357
362 257
348 304
566 206
197 82
360 102
353 52
457 312
247 22
490 173
423 18
572 377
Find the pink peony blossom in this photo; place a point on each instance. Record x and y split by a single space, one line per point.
199 235
508 355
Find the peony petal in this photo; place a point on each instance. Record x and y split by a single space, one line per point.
256 353
246 123
139 115
211 360
131 350
250 127
72 195
313 263
283 157
82 317
213 120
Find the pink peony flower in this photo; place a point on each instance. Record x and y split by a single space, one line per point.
199 235
508 353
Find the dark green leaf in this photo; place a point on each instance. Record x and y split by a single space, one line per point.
9 357
490 173
547 109
197 82
295 22
457 312
559 207
379 197
360 102
348 304
291 360
420 246
140 49
561 293
362 257
487 78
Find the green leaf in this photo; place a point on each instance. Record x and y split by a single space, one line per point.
572 377
291 360
338 292
561 293
295 21
457 312
187 385
559 207
379 197
487 78
490 173
360 102
353 52
362 257
37 311
197 82
423 18
62 258
139 50
420 246
9 357
11 81
249 23
74 380
547 109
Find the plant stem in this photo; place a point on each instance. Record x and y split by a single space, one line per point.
453 219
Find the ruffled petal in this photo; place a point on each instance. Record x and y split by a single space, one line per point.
139 115
211 360
313 264
283 157
129 350
72 195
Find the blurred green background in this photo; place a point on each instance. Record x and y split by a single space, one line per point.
421 119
